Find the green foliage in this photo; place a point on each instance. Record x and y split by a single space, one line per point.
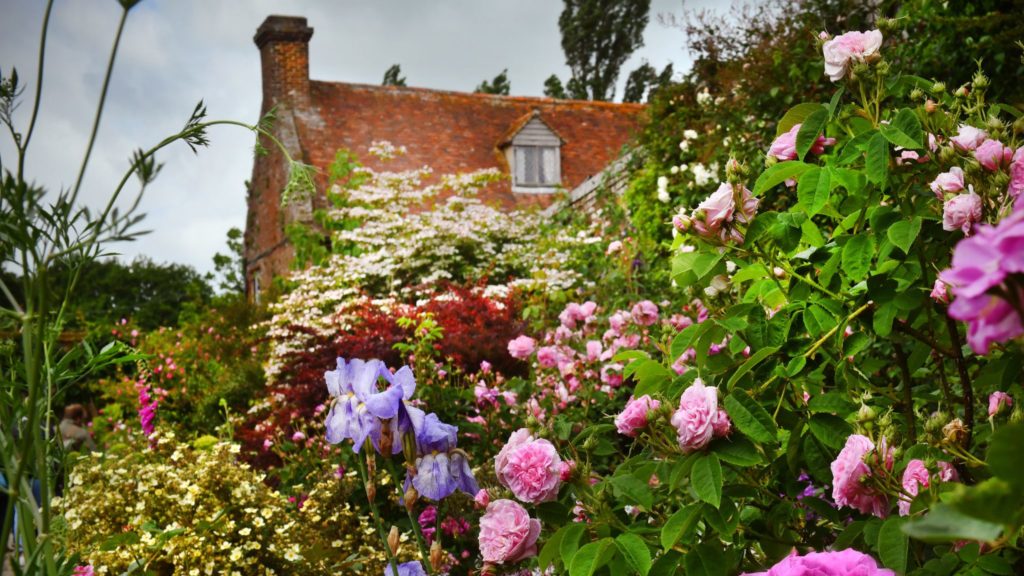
500 85
553 87
598 36
645 81
393 76
230 268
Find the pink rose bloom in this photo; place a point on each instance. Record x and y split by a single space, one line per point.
529 467
784 146
991 320
940 292
947 472
522 347
722 425
548 356
847 562
645 313
717 214
968 138
993 155
634 416
680 322
1016 185
996 401
840 51
507 533
611 374
618 321
948 182
593 350
915 475
86 570
697 416
482 498
847 471
961 212
613 247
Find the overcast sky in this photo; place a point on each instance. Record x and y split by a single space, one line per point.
176 52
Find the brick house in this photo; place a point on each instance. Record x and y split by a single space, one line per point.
545 146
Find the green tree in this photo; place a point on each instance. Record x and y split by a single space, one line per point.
553 87
500 85
598 36
645 80
230 268
393 76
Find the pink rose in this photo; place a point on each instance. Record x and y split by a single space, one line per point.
522 347
940 292
634 416
574 313
645 313
611 374
840 51
697 417
618 321
593 350
507 533
948 182
722 425
848 470
993 155
613 247
961 212
529 467
996 401
916 474
947 472
968 138
716 216
482 498
548 356
784 146
1016 176
847 562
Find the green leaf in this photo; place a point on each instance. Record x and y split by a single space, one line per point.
944 524
680 524
635 551
904 130
811 128
750 363
705 560
858 252
831 430
549 553
831 402
883 317
1005 457
571 542
750 418
877 163
796 115
736 450
632 489
779 173
591 557
903 233
893 544
706 478
813 190
666 564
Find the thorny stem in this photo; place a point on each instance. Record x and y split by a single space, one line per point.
908 396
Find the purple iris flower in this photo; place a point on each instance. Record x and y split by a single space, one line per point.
441 468
361 409
413 568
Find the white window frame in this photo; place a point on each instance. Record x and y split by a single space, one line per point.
536 168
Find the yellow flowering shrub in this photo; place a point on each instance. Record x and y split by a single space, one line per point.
175 509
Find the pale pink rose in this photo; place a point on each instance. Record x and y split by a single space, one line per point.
722 424
574 313
1016 185
568 468
848 470
485 367
948 183
548 356
784 146
587 309
908 156
993 155
961 212
947 472
634 416
529 467
940 292
618 321
298 436
915 475
611 374
645 313
968 138
593 350
697 416
679 321
842 50
507 533
996 401
482 498
717 215
613 247
848 562
718 208
522 347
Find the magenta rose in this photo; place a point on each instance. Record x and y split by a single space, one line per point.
697 417
548 356
968 138
507 533
848 471
529 467
522 347
847 48
645 313
948 183
634 416
993 155
961 212
940 292
1016 185
990 319
915 475
847 562
996 401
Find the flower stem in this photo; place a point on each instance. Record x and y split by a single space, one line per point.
375 513
420 540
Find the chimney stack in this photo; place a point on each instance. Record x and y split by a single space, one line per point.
284 51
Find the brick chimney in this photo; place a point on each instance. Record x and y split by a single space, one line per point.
284 50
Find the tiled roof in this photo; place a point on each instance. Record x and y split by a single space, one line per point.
460 132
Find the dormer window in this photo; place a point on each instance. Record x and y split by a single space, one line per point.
534 156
